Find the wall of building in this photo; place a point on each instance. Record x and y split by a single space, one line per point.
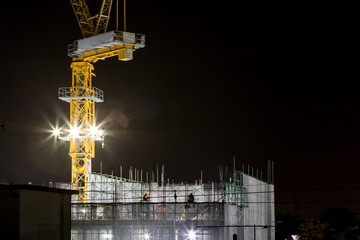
44 215
34 212
258 209
9 217
233 220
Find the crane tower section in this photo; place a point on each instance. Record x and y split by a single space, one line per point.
82 96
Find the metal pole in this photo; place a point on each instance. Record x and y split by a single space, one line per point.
234 170
272 175
254 232
269 172
163 174
157 174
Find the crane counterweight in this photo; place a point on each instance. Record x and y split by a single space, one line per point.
105 45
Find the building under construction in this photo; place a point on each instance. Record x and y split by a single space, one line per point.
240 206
236 207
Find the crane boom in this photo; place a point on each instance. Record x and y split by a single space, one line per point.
83 17
86 22
103 17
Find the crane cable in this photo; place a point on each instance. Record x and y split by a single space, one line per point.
124 15
117 15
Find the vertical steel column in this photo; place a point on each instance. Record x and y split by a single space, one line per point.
82 118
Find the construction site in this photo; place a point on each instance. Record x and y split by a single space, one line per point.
147 205
241 207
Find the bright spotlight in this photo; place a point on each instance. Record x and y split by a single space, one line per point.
107 236
74 131
56 132
191 235
146 236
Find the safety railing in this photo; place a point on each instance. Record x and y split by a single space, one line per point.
148 211
68 93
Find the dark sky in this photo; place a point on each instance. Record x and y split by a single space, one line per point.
215 81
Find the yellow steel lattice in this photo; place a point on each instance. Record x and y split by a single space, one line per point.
83 17
81 95
103 17
82 117
86 22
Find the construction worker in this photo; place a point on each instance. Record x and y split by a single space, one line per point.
175 196
191 198
190 201
146 197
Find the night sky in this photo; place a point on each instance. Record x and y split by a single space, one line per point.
215 81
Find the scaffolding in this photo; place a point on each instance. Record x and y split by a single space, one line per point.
103 188
116 208
134 220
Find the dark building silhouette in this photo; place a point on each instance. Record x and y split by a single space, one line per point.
34 212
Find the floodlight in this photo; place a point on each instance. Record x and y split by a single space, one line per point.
74 131
146 236
56 132
191 235
107 236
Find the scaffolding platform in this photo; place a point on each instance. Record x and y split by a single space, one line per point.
68 93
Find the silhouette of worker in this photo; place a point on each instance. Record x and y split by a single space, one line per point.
175 196
191 198
190 201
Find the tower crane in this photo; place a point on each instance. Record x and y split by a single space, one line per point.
98 43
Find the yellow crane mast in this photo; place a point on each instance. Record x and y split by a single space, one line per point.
82 96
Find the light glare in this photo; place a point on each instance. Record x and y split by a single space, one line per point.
191 235
146 236
93 130
74 131
56 132
107 236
